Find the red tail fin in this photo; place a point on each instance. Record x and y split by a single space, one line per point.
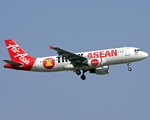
17 54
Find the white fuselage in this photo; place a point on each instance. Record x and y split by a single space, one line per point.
109 56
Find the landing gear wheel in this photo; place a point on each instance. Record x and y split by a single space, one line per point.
128 64
83 77
129 69
78 72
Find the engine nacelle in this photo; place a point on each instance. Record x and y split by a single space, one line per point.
96 62
100 70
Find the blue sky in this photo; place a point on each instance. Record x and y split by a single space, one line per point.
76 26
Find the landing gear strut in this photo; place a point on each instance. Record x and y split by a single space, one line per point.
78 72
83 77
128 64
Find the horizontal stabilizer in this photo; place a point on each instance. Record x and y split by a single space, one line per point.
13 63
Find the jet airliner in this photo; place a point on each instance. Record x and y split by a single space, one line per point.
96 62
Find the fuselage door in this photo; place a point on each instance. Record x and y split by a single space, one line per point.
127 51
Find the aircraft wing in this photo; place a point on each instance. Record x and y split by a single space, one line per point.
74 58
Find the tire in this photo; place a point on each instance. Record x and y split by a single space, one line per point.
83 77
78 72
129 69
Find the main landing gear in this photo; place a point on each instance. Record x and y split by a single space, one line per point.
128 64
78 72
83 77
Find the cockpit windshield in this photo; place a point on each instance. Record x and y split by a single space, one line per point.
137 50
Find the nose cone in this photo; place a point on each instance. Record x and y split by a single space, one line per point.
145 55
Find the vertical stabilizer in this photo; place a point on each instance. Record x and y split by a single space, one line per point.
17 54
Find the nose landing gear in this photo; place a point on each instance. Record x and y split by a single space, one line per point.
130 69
128 64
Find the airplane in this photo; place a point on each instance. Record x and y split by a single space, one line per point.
96 62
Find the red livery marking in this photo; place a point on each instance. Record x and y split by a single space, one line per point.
102 54
107 53
96 55
94 62
114 52
17 54
51 47
49 63
90 55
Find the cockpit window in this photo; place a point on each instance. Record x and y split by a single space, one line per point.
137 50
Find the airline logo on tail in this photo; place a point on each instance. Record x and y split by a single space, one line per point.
17 54
15 49
49 63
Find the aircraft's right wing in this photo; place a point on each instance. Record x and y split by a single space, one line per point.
74 58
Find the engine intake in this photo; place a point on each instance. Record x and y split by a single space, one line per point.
100 70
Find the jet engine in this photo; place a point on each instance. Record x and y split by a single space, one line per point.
100 70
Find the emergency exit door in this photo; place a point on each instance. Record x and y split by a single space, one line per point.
127 51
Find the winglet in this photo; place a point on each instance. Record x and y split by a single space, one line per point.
51 47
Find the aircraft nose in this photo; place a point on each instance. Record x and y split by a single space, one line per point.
145 55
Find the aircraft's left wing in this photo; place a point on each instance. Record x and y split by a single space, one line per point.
74 58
